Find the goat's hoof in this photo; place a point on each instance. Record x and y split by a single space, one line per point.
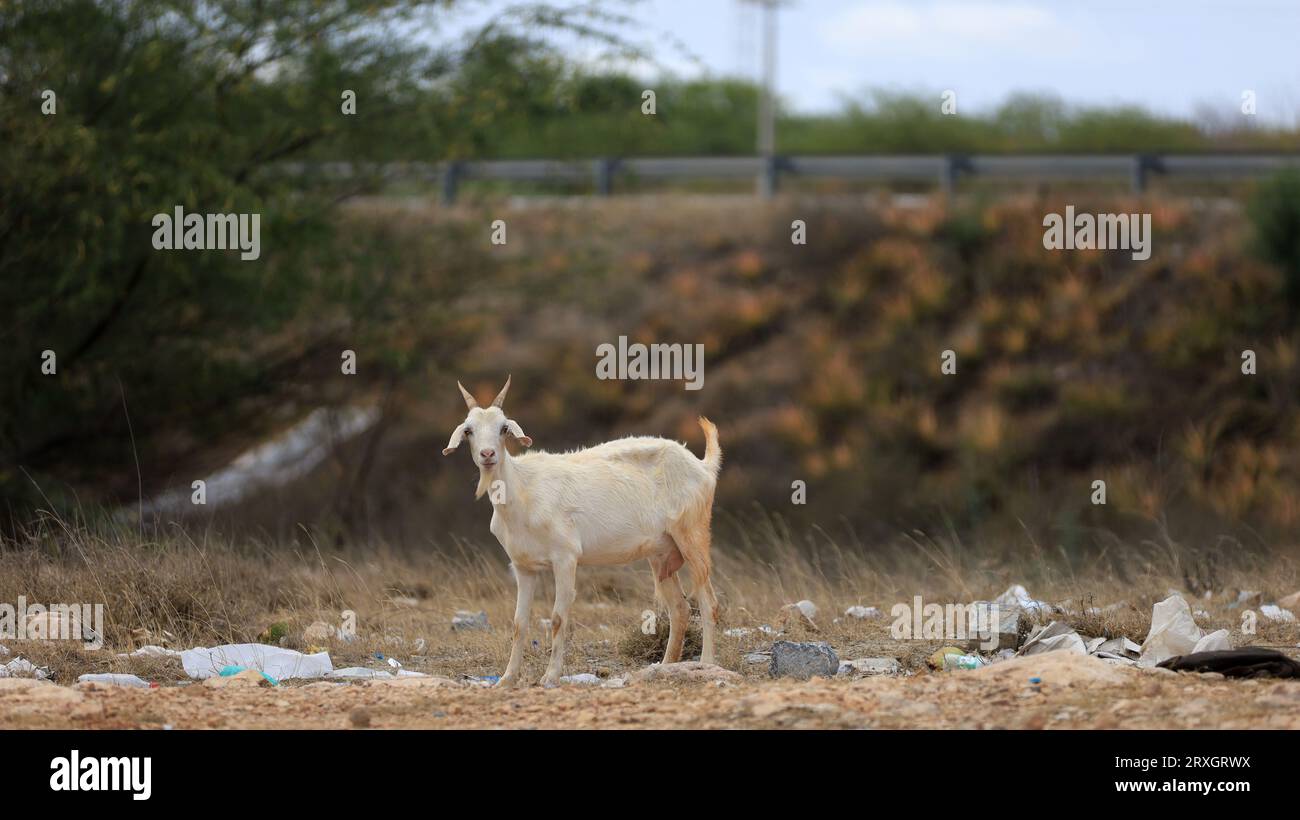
507 682
551 681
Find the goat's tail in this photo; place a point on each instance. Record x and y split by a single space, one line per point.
712 451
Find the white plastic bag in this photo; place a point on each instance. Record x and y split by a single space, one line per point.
279 663
1173 632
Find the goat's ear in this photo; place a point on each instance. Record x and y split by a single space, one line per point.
518 432
456 436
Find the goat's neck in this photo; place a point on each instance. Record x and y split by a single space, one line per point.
508 473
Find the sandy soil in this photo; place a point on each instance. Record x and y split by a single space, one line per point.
1075 692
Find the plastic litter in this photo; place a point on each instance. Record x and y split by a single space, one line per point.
357 673
231 671
273 661
1219 641
1115 649
1057 636
936 660
1276 613
114 679
869 667
1247 662
863 613
1173 632
582 678
1017 596
953 661
21 667
805 609
151 651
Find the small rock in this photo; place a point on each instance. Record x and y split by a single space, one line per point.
684 672
465 620
803 660
318 633
245 678
360 718
998 625
416 682
758 659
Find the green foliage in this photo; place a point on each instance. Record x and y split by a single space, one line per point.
1275 214
198 104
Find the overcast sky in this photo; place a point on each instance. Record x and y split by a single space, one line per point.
1171 56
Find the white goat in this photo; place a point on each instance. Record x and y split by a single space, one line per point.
610 504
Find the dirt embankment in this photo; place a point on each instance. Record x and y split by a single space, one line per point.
1074 692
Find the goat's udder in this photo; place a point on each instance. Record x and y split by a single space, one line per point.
671 564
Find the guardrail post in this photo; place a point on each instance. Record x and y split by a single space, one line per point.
768 176
1142 165
954 167
603 170
451 172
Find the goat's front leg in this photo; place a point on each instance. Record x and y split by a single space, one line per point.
525 583
566 577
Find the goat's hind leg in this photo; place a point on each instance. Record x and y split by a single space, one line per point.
693 540
668 592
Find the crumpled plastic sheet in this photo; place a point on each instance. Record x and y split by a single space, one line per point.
1057 636
1017 596
1214 642
363 673
21 667
115 679
1173 632
279 663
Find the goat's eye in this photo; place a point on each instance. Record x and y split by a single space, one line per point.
504 429
469 431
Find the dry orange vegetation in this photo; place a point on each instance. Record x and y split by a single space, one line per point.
822 365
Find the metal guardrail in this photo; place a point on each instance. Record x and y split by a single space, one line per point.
945 169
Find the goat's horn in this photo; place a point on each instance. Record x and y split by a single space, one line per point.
501 397
469 400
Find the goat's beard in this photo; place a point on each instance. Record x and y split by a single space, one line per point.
485 480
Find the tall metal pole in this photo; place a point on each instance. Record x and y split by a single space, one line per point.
767 103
